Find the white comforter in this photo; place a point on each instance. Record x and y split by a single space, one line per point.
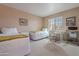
39 35
17 47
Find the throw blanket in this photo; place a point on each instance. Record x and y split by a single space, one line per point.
5 38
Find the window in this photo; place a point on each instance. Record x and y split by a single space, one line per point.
56 23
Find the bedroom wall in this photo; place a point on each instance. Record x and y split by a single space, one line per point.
64 14
9 17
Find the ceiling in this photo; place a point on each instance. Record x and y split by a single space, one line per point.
42 9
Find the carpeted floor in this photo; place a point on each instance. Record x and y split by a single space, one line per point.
45 48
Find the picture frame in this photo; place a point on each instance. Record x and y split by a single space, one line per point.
71 21
23 22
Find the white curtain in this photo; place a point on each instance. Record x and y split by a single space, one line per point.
56 23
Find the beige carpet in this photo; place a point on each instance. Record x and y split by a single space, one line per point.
45 48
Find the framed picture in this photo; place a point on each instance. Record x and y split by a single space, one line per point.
71 21
23 22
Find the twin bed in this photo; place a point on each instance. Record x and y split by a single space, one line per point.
14 45
39 35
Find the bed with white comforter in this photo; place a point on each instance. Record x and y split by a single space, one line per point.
39 35
14 47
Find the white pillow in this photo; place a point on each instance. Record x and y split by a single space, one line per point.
9 30
44 29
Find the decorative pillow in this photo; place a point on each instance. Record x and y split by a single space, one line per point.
10 30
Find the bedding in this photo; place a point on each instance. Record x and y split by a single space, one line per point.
14 44
38 35
18 47
11 37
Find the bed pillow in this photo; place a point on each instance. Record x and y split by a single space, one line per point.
44 29
9 30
